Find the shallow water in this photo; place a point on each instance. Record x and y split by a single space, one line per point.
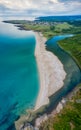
19 83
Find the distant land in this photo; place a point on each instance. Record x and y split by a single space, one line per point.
51 25
59 18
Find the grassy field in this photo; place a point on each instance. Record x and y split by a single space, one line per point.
52 30
62 26
40 28
49 30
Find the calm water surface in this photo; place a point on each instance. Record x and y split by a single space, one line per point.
19 84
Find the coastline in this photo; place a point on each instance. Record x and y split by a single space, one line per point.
53 112
51 77
50 72
40 58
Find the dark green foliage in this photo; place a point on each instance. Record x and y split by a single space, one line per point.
68 119
75 23
73 46
52 28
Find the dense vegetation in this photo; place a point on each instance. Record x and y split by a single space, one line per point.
73 46
60 18
69 118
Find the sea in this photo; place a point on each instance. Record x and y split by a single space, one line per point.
19 82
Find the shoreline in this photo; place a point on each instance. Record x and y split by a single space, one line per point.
40 57
50 70
51 77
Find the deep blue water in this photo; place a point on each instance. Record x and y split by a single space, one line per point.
19 84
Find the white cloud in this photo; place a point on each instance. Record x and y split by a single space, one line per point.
40 7
54 1
17 4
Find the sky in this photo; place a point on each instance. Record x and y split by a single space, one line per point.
9 8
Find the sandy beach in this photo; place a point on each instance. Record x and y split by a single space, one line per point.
51 71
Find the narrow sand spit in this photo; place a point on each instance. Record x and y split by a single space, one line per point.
51 71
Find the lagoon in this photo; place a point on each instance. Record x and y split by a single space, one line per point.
73 77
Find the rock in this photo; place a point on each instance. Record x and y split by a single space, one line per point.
27 126
59 107
40 120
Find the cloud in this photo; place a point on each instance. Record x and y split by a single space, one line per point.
39 7
54 1
16 4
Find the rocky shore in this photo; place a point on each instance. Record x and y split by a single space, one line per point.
45 117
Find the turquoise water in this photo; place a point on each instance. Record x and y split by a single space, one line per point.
19 83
